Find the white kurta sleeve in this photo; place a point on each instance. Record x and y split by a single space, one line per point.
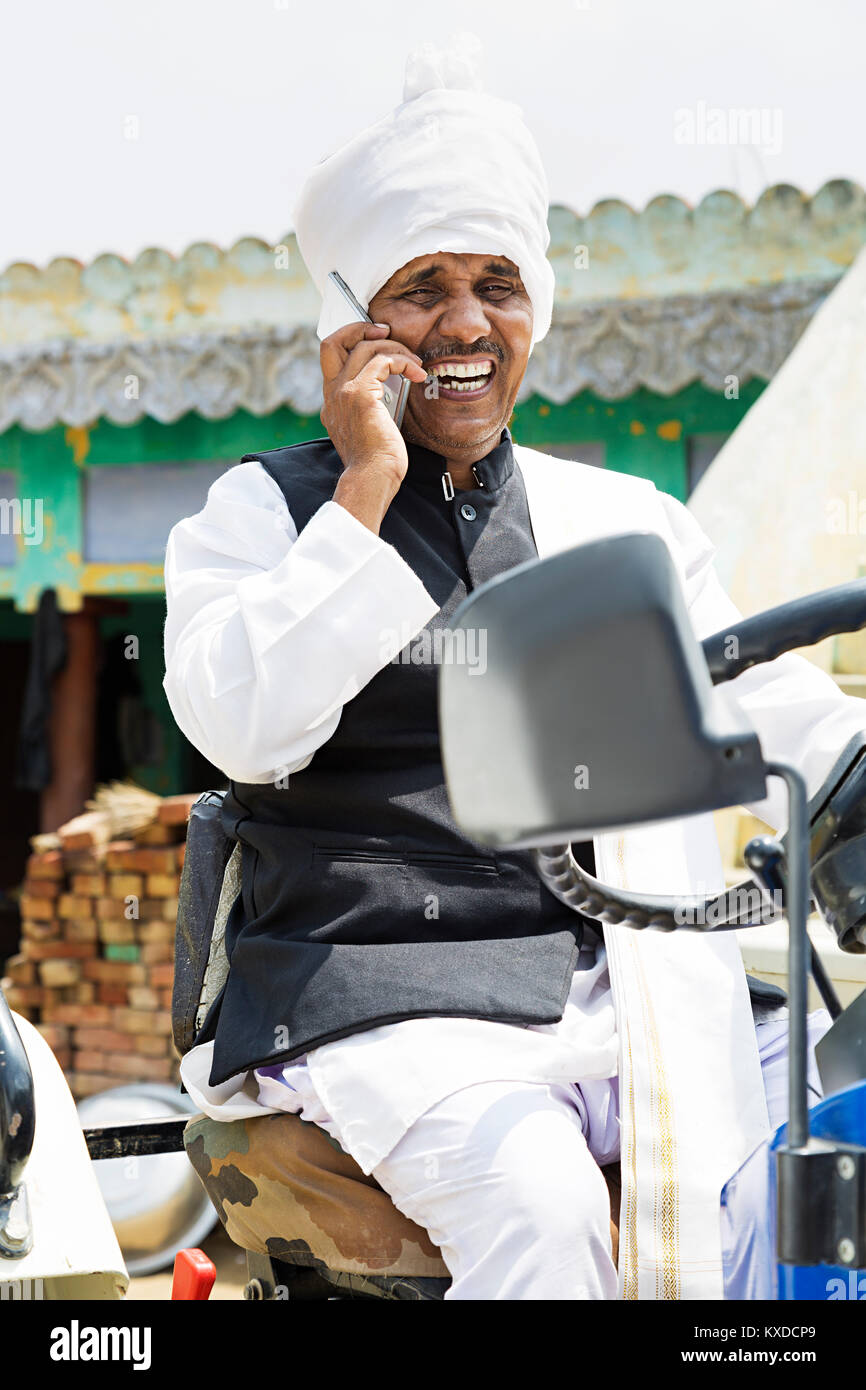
268 632
800 714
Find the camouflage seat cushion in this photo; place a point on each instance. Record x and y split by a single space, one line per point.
282 1187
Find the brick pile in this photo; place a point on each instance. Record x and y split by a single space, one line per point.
96 962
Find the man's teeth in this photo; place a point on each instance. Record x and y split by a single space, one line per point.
472 370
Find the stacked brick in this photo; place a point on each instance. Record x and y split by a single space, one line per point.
95 967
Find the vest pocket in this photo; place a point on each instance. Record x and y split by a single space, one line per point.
419 859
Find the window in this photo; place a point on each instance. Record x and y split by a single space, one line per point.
9 514
129 509
701 450
584 451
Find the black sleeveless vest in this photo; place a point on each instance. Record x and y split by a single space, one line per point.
362 902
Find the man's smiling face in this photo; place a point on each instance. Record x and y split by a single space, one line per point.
471 313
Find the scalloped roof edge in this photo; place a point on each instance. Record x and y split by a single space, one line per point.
783 196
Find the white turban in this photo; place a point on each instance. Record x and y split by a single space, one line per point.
450 169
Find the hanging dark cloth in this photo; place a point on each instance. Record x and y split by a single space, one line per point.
48 652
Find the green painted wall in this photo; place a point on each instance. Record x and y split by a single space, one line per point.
45 470
645 435
48 466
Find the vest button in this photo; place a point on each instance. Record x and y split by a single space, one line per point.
468 512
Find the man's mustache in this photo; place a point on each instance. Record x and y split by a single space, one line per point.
455 352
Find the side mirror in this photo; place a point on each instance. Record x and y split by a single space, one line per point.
593 709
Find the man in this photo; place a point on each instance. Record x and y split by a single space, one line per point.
468 1040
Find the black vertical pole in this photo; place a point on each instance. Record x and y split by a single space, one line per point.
797 909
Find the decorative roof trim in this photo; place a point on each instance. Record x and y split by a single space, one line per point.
610 348
823 207
615 253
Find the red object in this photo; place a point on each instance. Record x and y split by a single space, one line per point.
194 1275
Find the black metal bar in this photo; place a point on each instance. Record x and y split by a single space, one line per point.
822 1205
139 1138
766 858
797 907
832 1002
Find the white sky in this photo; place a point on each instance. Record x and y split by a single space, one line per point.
236 99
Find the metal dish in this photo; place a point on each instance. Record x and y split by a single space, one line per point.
157 1204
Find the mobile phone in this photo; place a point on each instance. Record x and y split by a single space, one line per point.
396 388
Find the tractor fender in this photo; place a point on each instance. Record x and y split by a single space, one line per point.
75 1254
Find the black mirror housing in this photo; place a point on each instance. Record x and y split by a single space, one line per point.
593 709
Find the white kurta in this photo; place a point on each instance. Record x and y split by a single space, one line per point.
269 633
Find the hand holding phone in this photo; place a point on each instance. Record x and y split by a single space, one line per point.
395 388
356 361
